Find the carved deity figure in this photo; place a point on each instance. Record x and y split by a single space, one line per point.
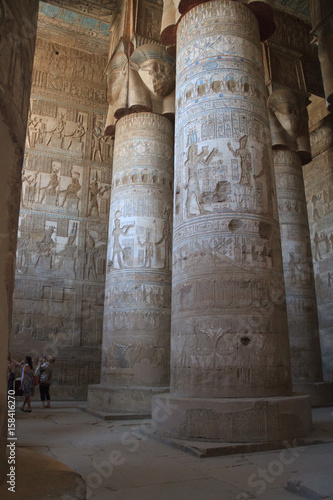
118 250
97 138
70 248
30 192
289 122
192 204
76 135
72 190
148 250
95 190
46 245
166 236
33 131
90 266
317 241
244 154
58 131
52 188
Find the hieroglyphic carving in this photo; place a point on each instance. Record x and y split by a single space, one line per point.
137 295
298 269
226 247
318 182
64 208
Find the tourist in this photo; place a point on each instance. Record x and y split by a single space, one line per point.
27 383
12 364
44 373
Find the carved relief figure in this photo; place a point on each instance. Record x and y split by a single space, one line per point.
29 194
166 236
33 131
76 135
57 133
90 266
148 250
72 190
95 190
97 138
314 200
52 188
244 154
118 251
46 246
192 204
317 241
67 254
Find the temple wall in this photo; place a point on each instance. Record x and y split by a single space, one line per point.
318 180
62 239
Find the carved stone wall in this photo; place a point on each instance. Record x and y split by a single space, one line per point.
229 331
61 253
18 19
318 179
136 338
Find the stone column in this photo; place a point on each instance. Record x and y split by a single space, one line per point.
291 144
136 336
18 21
230 365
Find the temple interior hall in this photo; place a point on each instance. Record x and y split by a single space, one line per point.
166 249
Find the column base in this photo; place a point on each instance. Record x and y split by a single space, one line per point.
118 401
243 420
321 393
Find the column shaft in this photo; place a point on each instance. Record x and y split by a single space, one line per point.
230 365
136 334
229 329
298 269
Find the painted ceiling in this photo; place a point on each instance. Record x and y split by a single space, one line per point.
299 7
103 9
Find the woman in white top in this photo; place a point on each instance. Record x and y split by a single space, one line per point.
27 383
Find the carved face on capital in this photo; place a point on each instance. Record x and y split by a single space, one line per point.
159 76
286 108
288 115
155 68
117 72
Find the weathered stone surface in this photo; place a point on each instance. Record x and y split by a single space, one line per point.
61 253
298 269
318 180
122 400
232 419
136 331
229 331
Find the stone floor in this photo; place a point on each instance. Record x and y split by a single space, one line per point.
119 461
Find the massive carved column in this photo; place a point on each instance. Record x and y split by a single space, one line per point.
136 330
291 144
230 365
136 335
